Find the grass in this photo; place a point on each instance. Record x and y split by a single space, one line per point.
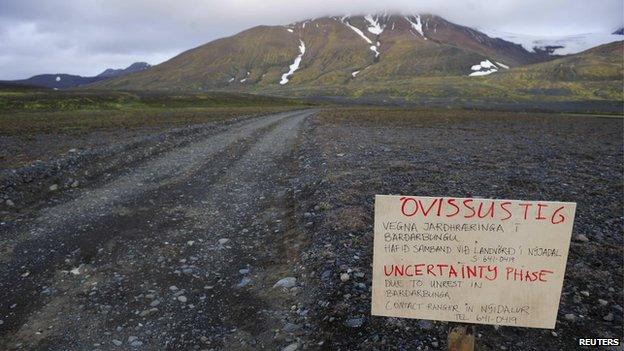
394 116
31 112
506 88
428 116
85 121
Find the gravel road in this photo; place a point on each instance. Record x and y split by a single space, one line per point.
180 252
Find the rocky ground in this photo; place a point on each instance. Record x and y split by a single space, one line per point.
256 233
348 156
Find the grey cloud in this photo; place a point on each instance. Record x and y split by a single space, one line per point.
87 36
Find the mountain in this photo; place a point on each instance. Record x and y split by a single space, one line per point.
594 74
56 81
331 50
135 67
619 31
556 45
66 81
382 58
601 63
590 78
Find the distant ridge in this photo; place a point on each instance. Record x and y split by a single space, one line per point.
66 81
135 67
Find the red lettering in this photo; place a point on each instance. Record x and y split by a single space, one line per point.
561 217
407 270
452 272
452 203
542 273
467 204
494 271
531 278
442 266
471 272
504 208
526 209
539 211
490 212
405 201
430 269
508 271
522 275
440 206
425 213
386 271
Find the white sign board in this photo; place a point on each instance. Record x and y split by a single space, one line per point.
465 260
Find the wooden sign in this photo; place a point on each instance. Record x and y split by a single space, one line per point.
464 260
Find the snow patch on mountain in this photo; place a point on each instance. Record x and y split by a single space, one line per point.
245 79
357 30
483 69
416 25
373 25
354 73
295 65
555 45
374 48
484 64
502 65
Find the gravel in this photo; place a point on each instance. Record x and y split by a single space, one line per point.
581 238
290 327
154 230
299 211
291 347
570 317
349 156
243 283
287 282
354 322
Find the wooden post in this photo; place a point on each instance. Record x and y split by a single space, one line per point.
461 338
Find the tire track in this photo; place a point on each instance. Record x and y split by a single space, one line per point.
123 213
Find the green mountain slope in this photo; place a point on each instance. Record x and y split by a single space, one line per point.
597 73
379 56
604 62
334 50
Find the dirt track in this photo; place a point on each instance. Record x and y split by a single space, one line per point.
180 252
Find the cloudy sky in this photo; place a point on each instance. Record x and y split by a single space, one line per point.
86 36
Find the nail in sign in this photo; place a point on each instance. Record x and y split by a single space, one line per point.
482 261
